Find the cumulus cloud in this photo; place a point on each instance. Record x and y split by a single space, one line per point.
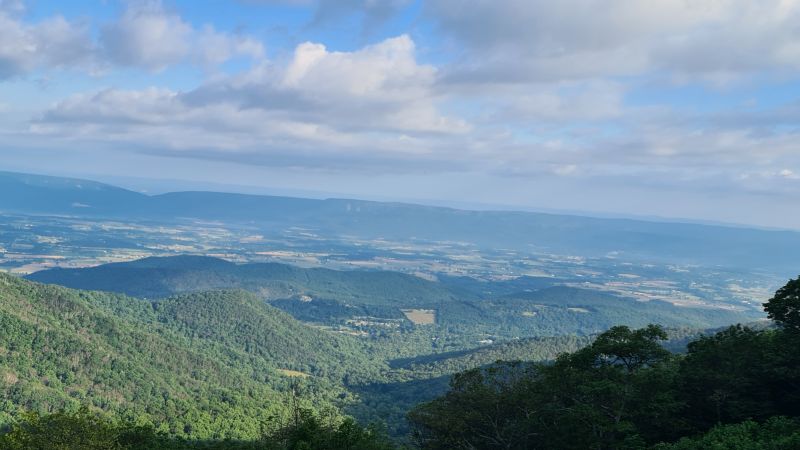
380 87
376 102
149 36
146 36
53 42
360 109
523 40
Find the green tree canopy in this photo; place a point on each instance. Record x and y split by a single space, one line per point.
784 307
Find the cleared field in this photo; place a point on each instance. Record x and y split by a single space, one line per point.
420 316
293 373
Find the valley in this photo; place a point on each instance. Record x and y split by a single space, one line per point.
30 243
367 322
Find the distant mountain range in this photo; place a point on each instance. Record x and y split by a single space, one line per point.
669 242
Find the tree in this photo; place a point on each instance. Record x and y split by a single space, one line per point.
777 433
730 376
598 396
62 431
784 307
615 393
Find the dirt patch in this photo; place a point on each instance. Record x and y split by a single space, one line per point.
10 378
421 316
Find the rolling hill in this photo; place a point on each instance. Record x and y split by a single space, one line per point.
157 277
332 297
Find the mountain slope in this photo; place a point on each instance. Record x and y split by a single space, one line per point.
200 365
40 194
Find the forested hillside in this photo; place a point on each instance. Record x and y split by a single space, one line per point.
158 277
202 365
466 311
213 364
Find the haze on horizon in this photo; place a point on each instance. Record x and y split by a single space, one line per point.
661 108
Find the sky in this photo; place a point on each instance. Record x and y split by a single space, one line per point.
658 108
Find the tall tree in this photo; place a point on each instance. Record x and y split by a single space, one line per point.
784 307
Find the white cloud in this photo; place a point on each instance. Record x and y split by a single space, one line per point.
149 36
522 40
387 70
322 108
375 89
578 91
146 36
50 43
211 47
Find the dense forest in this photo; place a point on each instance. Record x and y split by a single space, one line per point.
738 388
95 370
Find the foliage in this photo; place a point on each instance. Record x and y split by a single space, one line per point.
200 366
593 397
62 432
85 431
309 431
777 433
784 307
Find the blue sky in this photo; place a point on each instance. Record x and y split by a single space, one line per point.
660 108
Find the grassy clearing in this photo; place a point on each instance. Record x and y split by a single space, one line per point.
421 316
293 373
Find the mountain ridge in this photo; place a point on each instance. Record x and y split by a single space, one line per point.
671 242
